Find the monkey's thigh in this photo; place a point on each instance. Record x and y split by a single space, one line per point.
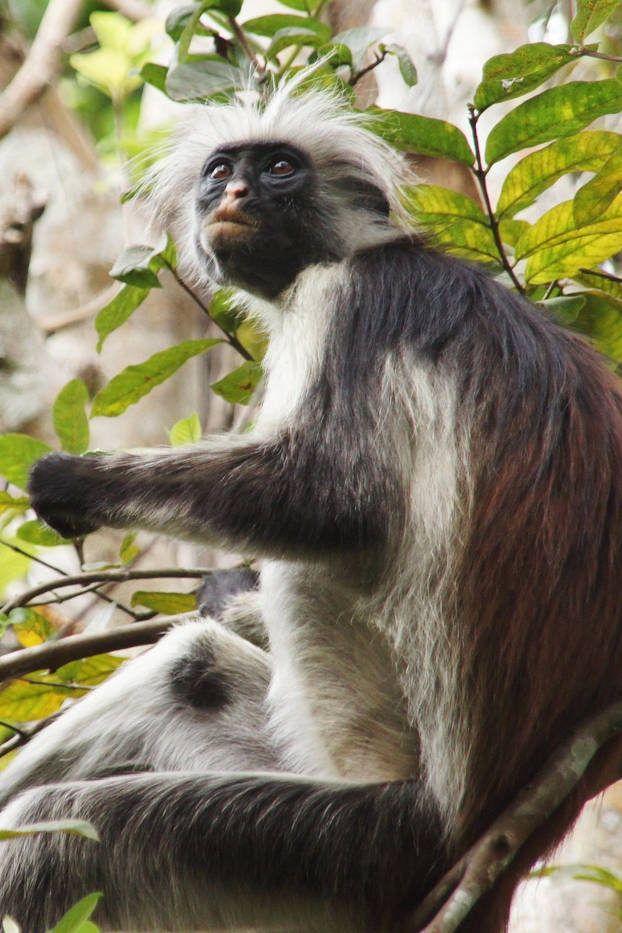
195 701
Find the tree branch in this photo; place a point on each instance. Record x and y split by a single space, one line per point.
103 576
452 899
53 654
41 64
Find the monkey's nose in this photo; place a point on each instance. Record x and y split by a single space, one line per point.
235 190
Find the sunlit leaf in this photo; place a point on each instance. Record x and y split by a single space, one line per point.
69 417
18 452
238 386
511 75
169 603
30 627
73 827
23 701
136 381
75 918
593 198
185 431
88 671
423 135
270 25
8 502
128 550
590 14
583 152
559 111
557 226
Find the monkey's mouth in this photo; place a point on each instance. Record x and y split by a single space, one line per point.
226 222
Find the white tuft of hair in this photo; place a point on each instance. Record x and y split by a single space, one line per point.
318 121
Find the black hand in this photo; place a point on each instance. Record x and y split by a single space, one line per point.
62 495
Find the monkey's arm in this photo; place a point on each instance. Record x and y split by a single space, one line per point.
188 852
276 496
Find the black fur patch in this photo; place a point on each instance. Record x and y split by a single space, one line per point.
197 681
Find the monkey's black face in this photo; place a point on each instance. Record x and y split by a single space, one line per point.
257 216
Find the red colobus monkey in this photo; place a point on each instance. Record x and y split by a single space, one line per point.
435 486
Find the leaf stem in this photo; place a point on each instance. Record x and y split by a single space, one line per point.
231 339
480 172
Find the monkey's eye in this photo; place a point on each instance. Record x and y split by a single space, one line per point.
280 168
220 170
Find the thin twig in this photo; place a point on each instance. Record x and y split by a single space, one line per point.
480 173
230 338
238 32
356 77
25 735
103 576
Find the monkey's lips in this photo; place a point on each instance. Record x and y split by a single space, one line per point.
227 224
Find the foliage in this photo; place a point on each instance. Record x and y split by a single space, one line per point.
559 254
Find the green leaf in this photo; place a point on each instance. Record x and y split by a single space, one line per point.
29 627
73 827
601 281
69 417
224 310
407 67
88 671
185 431
511 75
560 111
512 230
73 921
139 265
602 322
168 603
593 198
201 79
240 384
583 152
8 502
18 452
128 550
13 566
155 75
566 307
118 310
590 15
270 25
9 926
42 535
136 381
22 701
358 40
455 221
423 135
285 38
556 247
305 6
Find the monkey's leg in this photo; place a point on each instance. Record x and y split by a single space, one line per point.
195 701
190 852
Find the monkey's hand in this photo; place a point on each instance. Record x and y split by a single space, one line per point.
63 494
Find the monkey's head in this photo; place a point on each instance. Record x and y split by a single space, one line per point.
254 193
